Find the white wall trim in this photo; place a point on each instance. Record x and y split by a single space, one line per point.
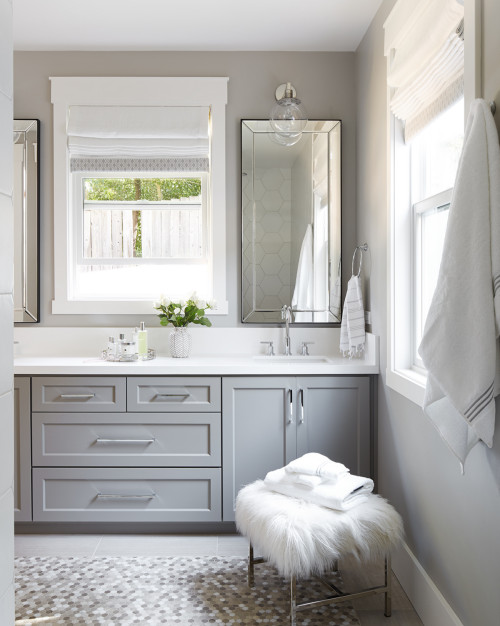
426 598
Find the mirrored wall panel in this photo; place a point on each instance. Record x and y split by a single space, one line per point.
26 216
291 223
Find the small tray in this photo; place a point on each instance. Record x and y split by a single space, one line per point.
127 358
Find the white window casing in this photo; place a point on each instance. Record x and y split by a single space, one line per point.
127 92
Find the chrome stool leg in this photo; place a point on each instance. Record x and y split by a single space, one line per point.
250 574
293 601
388 585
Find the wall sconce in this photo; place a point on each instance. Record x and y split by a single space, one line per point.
288 116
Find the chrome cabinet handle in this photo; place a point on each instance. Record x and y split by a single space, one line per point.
290 410
77 396
301 420
172 395
122 496
102 440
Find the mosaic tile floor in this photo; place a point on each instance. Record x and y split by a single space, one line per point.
149 591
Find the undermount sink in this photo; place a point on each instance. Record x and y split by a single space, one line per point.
281 358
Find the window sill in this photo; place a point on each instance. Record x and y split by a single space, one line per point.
408 383
115 307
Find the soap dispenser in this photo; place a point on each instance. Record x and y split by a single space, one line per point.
142 342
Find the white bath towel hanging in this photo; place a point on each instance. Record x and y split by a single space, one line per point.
460 343
352 328
303 293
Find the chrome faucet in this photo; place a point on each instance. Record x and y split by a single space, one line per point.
286 314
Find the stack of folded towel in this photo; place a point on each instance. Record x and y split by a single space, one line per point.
315 478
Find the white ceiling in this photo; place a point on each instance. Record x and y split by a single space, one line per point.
270 25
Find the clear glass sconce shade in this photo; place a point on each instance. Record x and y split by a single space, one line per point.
288 118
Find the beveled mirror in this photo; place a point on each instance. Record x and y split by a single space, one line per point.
291 223
26 220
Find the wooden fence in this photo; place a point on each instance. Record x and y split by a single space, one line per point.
157 233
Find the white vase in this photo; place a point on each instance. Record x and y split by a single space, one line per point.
180 342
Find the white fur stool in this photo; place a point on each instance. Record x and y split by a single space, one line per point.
304 540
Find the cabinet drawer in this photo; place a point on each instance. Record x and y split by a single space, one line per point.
89 394
121 439
126 495
174 394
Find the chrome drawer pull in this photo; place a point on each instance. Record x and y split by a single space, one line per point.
101 440
121 496
77 396
290 410
172 395
301 421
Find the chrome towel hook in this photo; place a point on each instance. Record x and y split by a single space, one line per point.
362 248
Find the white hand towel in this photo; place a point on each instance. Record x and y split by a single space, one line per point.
460 347
347 492
352 328
314 468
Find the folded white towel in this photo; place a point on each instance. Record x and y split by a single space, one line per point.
313 468
352 328
347 492
460 347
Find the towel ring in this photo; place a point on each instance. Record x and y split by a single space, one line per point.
362 248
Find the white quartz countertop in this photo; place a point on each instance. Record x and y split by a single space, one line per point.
215 352
196 365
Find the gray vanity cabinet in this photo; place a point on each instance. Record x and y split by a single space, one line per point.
22 449
136 449
269 421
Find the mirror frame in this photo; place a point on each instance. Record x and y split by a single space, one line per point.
331 313
26 202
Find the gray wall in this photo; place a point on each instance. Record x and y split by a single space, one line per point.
452 521
6 322
324 82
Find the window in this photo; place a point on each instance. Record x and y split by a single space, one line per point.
424 46
146 232
434 156
139 192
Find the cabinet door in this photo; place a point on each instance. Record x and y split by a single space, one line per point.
22 449
258 431
334 419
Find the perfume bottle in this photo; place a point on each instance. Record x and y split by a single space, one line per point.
142 342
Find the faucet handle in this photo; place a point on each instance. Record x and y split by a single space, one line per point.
270 347
304 350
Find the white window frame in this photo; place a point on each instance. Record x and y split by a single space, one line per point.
401 374
135 91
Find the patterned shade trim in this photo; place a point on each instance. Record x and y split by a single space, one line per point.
113 164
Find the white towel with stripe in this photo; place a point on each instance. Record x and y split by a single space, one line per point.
352 328
460 347
312 469
344 494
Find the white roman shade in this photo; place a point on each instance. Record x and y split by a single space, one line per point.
425 59
128 138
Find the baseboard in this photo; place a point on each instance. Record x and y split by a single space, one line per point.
426 598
